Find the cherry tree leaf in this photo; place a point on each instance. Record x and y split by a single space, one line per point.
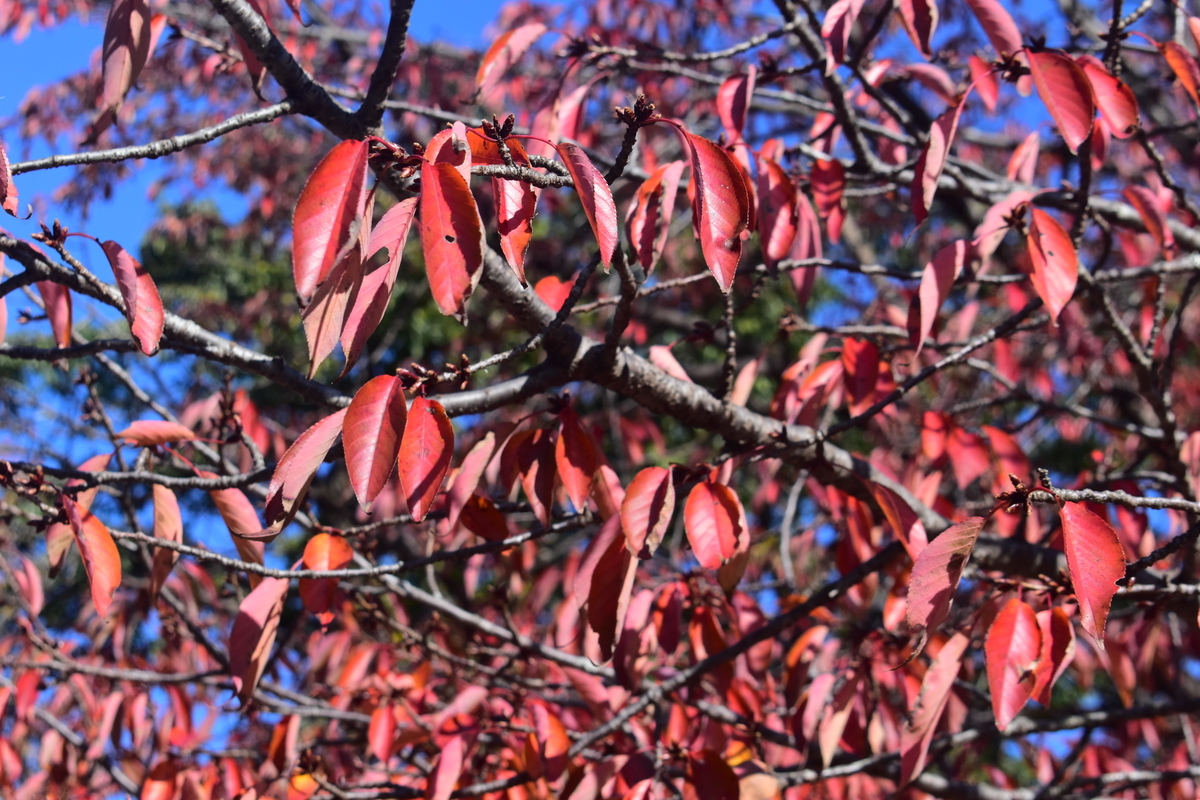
467 479
29 581
448 770
8 189
101 559
661 356
998 25
936 282
1014 642
375 292
1186 70
1146 204
325 316
381 732
143 306
935 576
920 18
860 368
648 221
254 633
1055 263
125 51
57 300
480 516
609 593
930 702
596 197
1057 653
983 76
713 520
1113 97
1022 164
720 207
151 432
324 551
425 452
159 783
553 741
646 510
168 526
828 179
537 467
296 469
837 714
904 520
242 520
1096 562
451 237
328 215
932 160
1066 93
733 102
776 211
835 30
500 57
371 433
711 777
576 458
516 206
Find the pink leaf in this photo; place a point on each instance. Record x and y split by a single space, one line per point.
328 215
8 190
647 508
1022 164
371 434
57 301
932 160
920 18
936 282
983 75
661 357
596 198
930 702
1113 97
935 576
449 768
1013 644
835 30
126 49
1184 66
1055 264
1096 562
296 469
451 237
733 102
425 453
776 211
101 559
904 521
998 25
150 432
253 635
504 52
143 306
1065 91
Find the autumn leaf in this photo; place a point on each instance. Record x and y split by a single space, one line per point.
381 732
575 456
101 559
125 51
710 777
998 25
935 576
930 702
505 51
328 215
1013 644
57 301
733 102
596 197
253 635
1096 562
720 207
1113 97
449 767
324 551
296 469
168 526
553 741
983 77
451 237
152 432
713 521
1186 70
1058 650
467 478
835 30
1146 204
1066 93
371 433
920 18
937 280
425 451
143 306
1055 264
609 594
647 509
776 211
932 160
8 189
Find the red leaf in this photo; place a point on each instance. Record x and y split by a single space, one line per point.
609 594
828 179
1057 653
835 30
381 732
575 457
1013 644
936 282
126 49
1022 164
1113 97
998 25
241 519
935 576
1065 90
1096 562
968 456
160 782
516 206
661 357
324 551
553 741
375 292
648 220
8 189
1184 66
371 435
101 559
553 291
469 473
927 710
733 102
253 635
710 777
837 714
29 581
776 211
713 519
168 526
325 316
904 521
596 197
254 67
425 452
328 215
151 432
720 207
504 52
296 469
1008 451
983 76
647 508
480 516
1146 204
920 18
449 768
1055 264
536 465
451 237
57 301
143 306
860 366
933 159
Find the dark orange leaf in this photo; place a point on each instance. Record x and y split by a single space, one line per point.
253 635
596 197
935 576
1014 642
328 215
101 559
425 452
720 207
371 433
1096 562
927 710
714 521
160 783
143 306
480 516
646 510
1067 94
324 551
1184 66
733 102
575 456
553 741
451 237
151 432
168 526
1055 264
